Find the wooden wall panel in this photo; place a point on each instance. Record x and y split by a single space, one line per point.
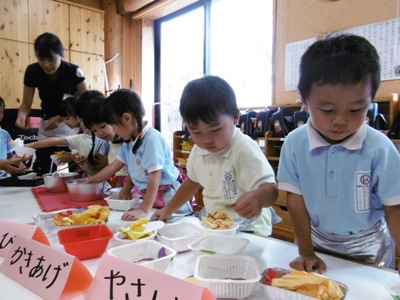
13 61
49 16
14 20
87 30
93 68
302 19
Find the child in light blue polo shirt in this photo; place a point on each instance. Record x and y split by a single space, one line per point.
8 165
341 175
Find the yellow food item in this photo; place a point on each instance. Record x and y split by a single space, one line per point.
95 214
13 143
59 155
310 284
136 230
218 220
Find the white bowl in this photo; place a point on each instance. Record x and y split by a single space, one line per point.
229 232
21 151
121 238
119 204
394 290
29 176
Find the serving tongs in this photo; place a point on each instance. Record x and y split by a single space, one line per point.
68 166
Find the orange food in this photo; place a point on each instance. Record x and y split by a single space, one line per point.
218 220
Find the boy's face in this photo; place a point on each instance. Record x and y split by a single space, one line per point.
338 111
104 131
216 136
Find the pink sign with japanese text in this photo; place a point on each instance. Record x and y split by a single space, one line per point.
118 279
47 272
9 229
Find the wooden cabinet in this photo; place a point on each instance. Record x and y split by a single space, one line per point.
80 29
180 153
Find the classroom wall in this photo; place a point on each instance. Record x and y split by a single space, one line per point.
298 20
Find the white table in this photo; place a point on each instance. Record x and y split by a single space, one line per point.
364 282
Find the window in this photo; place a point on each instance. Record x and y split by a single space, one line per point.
218 37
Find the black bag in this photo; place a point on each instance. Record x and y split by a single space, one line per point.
246 122
262 122
394 131
300 117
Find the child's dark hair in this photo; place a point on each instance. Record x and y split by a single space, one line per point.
92 115
2 102
68 107
84 100
46 43
125 101
339 59
206 99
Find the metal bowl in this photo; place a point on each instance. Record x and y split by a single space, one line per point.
80 191
56 183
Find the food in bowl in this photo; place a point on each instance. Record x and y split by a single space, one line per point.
79 190
136 230
55 183
95 214
281 284
218 220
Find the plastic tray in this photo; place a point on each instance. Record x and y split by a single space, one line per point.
13 181
227 276
179 235
216 244
135 252
85 242
117 204
45 220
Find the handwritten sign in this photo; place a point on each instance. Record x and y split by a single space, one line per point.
118 279
47 272
8 230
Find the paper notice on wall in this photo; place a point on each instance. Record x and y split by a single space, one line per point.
294 51
385 36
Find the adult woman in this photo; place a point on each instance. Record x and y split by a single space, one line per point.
55 80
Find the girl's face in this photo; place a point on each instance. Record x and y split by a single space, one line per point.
127 128
72 122
51 64
216 136
338 111
104 131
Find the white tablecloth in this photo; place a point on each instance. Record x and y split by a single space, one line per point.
364 282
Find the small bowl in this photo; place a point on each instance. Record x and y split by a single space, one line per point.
85 242
121 239
21 151
394 290
56 183
29 176
229 232
80 192
119 204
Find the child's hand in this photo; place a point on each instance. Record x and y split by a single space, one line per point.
135 214
125 195
160 214
247 206
22 158
65 157
309 263
13 165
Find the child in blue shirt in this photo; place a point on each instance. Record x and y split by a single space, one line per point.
9 162
145 153
343 197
